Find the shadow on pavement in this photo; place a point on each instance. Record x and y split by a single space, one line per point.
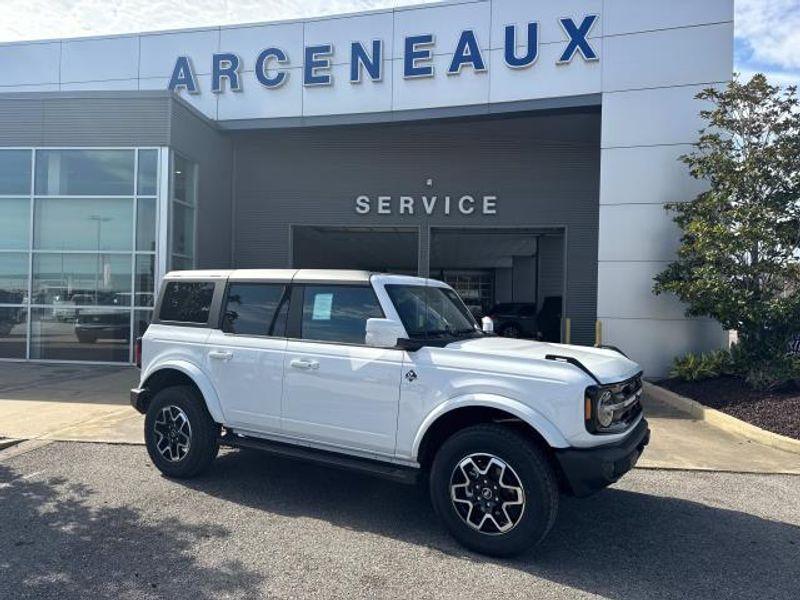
618 544
59 547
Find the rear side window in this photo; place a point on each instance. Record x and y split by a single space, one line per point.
253 309
187 302
338 313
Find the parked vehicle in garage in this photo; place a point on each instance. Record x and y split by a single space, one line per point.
390 375
515 320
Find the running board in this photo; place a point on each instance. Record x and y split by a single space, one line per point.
398 473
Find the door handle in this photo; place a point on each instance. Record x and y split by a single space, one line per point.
306 365
220 355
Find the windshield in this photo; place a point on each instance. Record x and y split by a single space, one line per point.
429 312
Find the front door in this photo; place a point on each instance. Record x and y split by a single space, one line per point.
245 356
337 390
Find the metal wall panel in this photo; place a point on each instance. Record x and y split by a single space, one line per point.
544 169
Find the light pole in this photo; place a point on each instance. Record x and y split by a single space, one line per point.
99 220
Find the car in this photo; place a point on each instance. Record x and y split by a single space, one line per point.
515 319
388 375
92 324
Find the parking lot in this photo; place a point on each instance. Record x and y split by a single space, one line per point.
96 520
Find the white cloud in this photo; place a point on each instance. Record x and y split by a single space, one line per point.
49 19
770 30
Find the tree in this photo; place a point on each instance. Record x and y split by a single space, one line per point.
739 258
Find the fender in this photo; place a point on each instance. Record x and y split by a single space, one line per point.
200 379
529 415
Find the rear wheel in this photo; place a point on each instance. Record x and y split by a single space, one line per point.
181 437
494 490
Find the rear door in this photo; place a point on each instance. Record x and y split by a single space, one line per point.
245 354
337 390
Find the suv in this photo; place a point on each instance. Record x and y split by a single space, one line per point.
389 375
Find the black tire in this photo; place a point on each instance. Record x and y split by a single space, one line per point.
511 331
203 433
528 465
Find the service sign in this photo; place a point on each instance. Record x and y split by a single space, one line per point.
367 58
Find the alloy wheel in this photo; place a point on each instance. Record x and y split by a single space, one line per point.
173 433
487 494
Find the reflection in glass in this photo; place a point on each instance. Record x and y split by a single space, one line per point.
15 218
146 225
13 331
148 173
145 279
13 278
183 177
81 279
182 230
15 172
95 334
141 320
84 172
83 224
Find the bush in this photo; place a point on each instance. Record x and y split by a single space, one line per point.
697 367
759 372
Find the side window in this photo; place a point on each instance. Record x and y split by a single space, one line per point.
529 310
338 313
252 308
187 302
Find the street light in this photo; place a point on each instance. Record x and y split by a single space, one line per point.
99 220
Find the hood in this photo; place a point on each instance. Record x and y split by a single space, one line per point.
608 366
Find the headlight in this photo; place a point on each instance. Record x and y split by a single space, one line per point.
612 408
605 410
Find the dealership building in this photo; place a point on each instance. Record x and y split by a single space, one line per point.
521 151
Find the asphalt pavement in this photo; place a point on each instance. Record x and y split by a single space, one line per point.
98 521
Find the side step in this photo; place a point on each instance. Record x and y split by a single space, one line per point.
398 473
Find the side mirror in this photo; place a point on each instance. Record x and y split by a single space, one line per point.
487 325
383 333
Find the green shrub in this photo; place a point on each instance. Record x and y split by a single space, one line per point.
759 372
695 367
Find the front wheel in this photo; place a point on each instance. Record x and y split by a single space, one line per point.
181 437
494 490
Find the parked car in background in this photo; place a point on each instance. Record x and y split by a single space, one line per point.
515 320
389 375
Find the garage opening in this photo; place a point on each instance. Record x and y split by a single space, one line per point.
381 249
515 276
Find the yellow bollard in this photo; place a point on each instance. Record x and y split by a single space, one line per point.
567 330
598 333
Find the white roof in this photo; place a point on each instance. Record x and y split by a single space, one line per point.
303 276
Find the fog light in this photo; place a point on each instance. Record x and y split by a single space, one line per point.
605 415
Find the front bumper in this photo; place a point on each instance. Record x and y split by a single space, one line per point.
588 470
139 399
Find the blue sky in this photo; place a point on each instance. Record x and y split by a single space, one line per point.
767 37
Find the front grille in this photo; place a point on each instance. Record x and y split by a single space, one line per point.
628 394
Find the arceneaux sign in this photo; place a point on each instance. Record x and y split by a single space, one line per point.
367 61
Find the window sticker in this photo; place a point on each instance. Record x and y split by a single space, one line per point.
323 303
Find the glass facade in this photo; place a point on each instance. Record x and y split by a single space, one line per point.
183 211
78 239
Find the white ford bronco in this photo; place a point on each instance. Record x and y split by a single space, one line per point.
390 375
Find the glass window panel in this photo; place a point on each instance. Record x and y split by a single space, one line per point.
148 173
13 331
182 230
13 278
15 172
179 263
338 313
67 280
187 302
15 218
183 178
84 172
95 334
83 224
141 321
250 308
145 279
146 224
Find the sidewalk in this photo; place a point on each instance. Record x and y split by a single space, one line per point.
90 404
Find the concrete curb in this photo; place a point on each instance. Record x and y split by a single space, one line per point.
723 421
